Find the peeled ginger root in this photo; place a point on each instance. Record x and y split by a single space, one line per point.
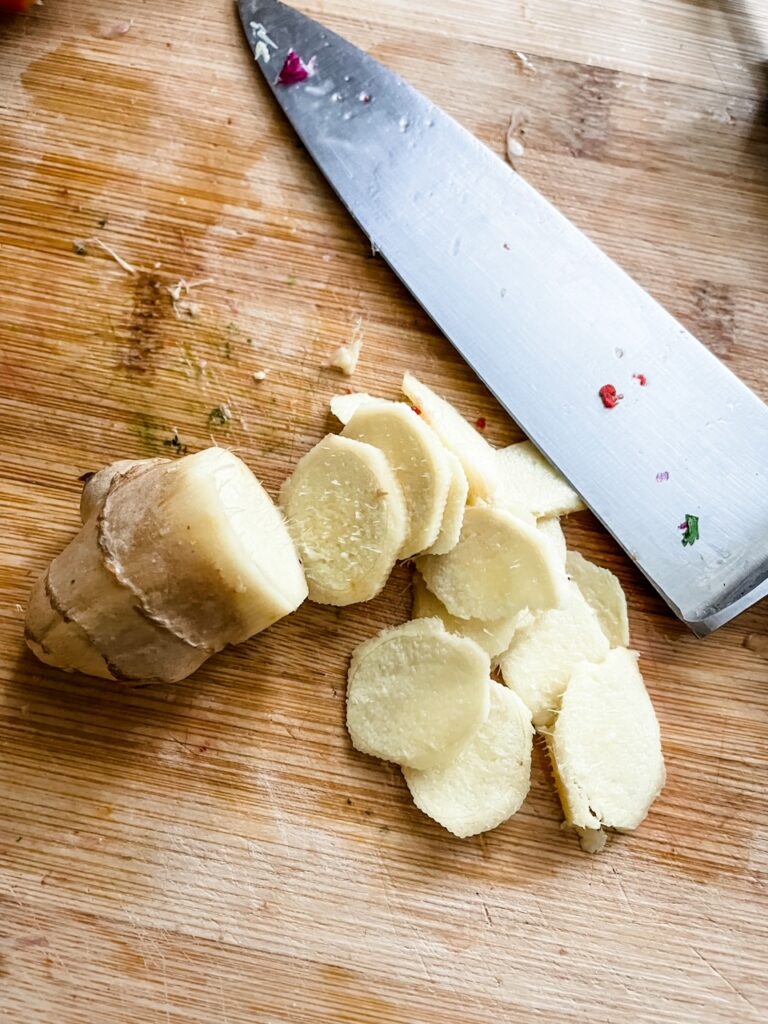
348 516
174 561
605 745
416 694
487 781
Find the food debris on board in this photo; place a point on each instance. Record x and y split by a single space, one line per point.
641 379
260 375
662 477
524 61
347 356
514 144
81 248
220 415
180 292
357 503
119 28
174 442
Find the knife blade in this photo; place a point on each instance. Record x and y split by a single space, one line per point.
544 318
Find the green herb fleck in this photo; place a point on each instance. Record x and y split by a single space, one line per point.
292 280
175 443
220 416
80 247
690 530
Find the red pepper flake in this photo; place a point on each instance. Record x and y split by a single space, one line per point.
295 70
416 409
609 396
641 379
480 423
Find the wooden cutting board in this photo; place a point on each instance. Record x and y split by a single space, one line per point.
215 850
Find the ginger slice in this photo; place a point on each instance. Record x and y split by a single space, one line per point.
204 549
604 594
453 513
494 635
528 480
488 780
553 531
605 745
419 462
417 694
348 517
500 566
344 407
477 457
541 657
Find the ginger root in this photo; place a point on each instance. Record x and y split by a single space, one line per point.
174 561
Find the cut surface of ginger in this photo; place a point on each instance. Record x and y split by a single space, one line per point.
488 780
541 657
477 457
416 694
605 745
493 635
453 513
500 566
418 459
344 407
604 594
348 517
528 480
203 547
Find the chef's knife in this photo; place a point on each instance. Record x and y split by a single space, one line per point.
544 318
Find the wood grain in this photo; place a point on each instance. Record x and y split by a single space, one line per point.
215 850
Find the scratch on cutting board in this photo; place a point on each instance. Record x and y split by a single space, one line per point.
723 978
623 892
